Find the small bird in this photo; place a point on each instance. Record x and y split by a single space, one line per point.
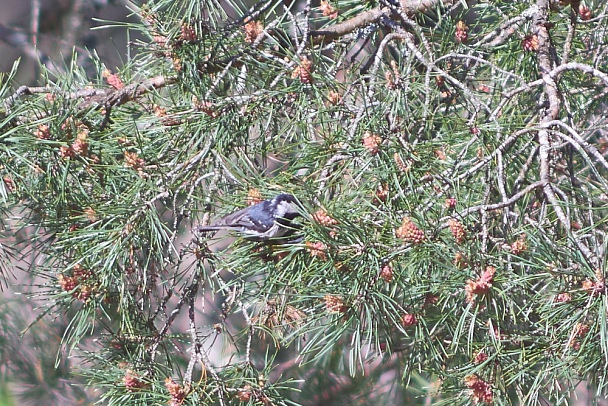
271 218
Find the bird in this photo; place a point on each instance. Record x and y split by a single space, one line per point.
270 219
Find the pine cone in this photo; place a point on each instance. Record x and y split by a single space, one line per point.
409 232
457 230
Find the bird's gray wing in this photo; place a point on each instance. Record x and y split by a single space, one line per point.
233 221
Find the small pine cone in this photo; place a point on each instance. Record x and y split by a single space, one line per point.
401 164
178 394
244 394
408 320
43 132
80 273
457 230
10 184
581 330
585 13
160 40
334 304
304 71
520 245
323 218
67 283
387 273
159 111
334 98
480 357
381 193
132 382
439 81
563 297
90 214
254 197
112 79
132 160
450 203
84 292
530 43
390 81
253 29
481 391
317 249
461 34
371 142
80 146
481 285
409 232
460 260
177 64
328 10
597 287
440 154
188 33
66 152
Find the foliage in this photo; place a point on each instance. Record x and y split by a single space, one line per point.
450 160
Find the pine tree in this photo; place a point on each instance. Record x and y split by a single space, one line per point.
449 157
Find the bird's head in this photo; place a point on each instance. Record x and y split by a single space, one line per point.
286 206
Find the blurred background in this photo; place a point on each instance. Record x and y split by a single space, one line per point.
34 32
50 29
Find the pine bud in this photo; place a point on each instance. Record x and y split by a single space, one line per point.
334 98
585 13
10 184
387 273
530 43
43 132
481 285
381 193
304 71
461 34
323 218
253 29
254 197
481 391
371 142
480 357
188 33
317 249
132 382
408 320
328 10
176 391
401 164
112 79
66 152
334 304
518 246
132 160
